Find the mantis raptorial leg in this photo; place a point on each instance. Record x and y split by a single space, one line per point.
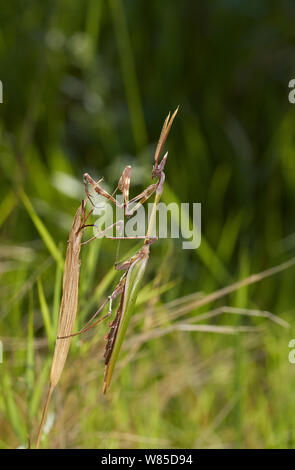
124 186
124 181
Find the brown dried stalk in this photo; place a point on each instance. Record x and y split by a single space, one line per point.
68 308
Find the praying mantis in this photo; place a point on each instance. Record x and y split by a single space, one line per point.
129 284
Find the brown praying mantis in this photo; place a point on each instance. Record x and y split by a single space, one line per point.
129 284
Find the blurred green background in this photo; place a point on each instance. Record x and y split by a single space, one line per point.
86 87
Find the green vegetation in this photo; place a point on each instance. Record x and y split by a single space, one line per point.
86 86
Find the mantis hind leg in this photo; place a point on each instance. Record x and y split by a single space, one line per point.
117 291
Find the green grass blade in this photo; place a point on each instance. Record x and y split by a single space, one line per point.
30 375
45 235
149 292
129 73
39 386
93 20
205 252
7 205
11 408
45 314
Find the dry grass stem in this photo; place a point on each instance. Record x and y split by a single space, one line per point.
68 308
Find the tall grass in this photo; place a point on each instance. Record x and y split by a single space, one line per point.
107 69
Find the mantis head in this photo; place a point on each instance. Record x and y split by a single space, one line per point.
159 167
